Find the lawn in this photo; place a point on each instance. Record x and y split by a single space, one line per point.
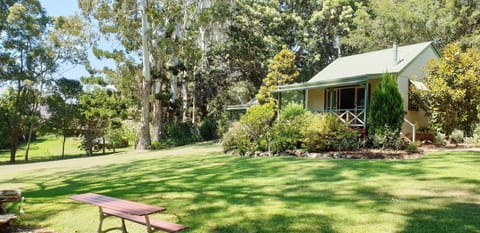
46 148
209 191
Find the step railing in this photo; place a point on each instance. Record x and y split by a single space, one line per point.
414 130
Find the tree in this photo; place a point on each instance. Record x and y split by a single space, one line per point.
8 117
63 107
454 90
386 107
128 22
32 46
99 108
24 59
282 71
379 23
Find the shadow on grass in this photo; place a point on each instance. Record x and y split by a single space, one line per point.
220 193
279 223
456 217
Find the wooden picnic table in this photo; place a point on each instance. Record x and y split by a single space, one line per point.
127 210
7 196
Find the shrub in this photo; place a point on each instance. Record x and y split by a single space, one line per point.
388 139
324 132
223 123
292 111
412 147
160 145
457 136
347 140
180 134
287 132
252 133
386 107
475 139
440 139
207 129
235 139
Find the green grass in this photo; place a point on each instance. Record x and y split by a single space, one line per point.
209 191
47 148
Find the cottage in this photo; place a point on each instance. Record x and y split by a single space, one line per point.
345 86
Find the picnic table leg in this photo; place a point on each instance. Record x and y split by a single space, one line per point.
102 217
124 228
147 222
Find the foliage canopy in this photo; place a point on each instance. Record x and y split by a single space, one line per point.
454 90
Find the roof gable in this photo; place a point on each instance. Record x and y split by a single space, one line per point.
371 63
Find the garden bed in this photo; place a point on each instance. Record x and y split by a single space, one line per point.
366 154
360 154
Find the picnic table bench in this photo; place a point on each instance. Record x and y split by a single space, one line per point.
127 210
7 196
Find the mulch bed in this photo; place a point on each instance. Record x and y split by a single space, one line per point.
367 154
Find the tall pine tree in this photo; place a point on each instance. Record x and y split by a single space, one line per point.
386 108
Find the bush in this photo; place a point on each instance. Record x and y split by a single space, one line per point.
457 136
235 139
156 145
181 134
475 139
292 111
324 132
252 133
207 129
347 140
287 131
388 139
223 124
440 139
412 147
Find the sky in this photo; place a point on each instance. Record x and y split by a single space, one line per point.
65 8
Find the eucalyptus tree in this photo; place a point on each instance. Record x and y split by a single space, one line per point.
128 23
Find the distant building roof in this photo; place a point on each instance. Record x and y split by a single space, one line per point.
242 106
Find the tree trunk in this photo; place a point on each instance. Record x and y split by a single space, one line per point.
185 96
194 95
173 88
63 146
103 145
14 144
29 139
144 134
157 121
